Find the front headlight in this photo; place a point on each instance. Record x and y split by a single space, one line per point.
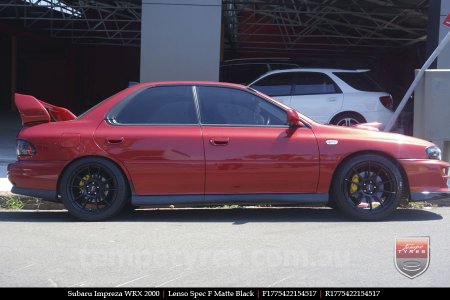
434 152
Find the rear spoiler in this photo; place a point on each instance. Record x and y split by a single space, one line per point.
33 111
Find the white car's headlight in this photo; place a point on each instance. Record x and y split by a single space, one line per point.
434 152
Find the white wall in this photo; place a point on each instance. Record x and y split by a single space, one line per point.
431 96
432 109
443 61
180 40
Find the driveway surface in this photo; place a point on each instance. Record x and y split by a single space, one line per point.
266 247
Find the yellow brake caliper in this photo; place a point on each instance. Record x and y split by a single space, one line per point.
84 180
354 184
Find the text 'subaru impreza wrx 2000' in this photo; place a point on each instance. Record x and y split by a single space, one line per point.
196 143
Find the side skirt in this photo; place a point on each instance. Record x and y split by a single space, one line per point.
231 199
415 197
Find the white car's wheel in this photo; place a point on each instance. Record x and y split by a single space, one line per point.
347 119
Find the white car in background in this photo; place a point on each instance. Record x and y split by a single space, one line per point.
334 96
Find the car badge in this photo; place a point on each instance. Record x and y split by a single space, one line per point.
412 255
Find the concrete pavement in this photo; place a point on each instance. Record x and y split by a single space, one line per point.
296 247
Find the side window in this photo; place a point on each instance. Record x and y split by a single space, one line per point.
160 105
227 106
275 85
312 83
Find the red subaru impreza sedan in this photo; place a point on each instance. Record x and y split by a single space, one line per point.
197 143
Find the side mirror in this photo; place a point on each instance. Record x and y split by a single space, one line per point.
292 118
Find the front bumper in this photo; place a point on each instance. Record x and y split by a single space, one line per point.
428 178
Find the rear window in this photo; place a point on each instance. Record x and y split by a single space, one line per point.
157 105
359 81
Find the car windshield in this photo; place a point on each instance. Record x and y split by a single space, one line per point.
359 81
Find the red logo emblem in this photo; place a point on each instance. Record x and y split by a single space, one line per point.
412 255
447 21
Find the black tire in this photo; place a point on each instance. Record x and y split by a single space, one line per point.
368 187
128 207
94 189
332 204
347 119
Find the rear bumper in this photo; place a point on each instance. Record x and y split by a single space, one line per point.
34 175
45 194
383 116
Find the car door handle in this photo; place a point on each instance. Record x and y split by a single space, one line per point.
331 99
114 140
219 141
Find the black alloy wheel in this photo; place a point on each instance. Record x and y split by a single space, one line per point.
368 187
93 189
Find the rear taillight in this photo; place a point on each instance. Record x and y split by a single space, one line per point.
25 148
387 102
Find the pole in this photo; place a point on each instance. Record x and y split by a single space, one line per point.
13 69
409 92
